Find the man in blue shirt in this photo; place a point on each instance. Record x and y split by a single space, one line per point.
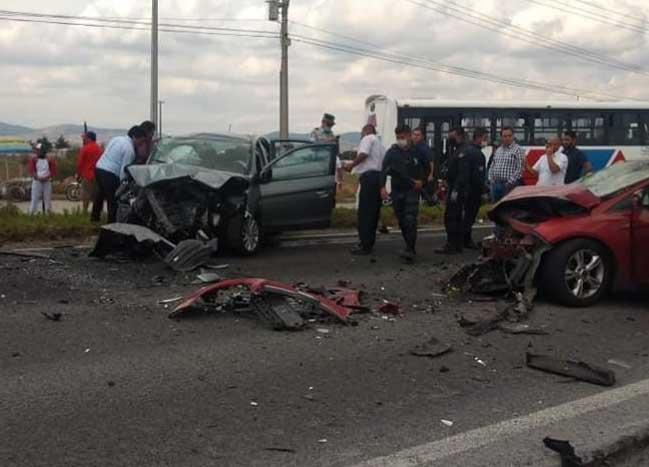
578 164
110 170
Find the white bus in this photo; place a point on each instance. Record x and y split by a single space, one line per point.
607 132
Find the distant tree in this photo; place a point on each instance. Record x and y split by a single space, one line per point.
47 145
61 143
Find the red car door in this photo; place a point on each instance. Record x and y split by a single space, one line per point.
640 236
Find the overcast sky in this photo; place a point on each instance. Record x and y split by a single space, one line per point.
55 74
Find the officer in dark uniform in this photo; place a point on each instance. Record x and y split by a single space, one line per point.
419 141
476 162
408 169
457 176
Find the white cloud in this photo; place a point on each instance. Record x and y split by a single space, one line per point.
53 74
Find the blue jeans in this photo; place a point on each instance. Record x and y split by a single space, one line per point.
498 191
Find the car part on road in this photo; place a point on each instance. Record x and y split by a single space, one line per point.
188 255
431 348
518 328
389 308
52 316
568 456
578 370
131 240
280 305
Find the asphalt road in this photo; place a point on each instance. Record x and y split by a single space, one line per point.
115 382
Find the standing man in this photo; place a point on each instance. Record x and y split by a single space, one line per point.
419 140
120 153
578 164
42 170
506 166
476 184
367 166
552 166
88 156
408 170
325 134
146 149
457 184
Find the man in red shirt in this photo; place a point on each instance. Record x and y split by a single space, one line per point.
88 157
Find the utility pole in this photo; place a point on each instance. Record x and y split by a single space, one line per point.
274 6
160 118
283 79
154 61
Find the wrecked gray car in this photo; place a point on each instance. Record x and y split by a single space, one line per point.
236 189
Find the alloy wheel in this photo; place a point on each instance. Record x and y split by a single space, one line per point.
584 274
250 233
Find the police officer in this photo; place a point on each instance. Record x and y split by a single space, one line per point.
477 184
457 181
419 140
408 169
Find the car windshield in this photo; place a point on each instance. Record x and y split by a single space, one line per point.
216 153
616 177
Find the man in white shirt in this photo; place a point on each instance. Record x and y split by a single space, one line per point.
109 171
552 166
367 166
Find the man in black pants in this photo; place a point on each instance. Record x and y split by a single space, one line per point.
455 194
476 185
408 169
367 165
109 172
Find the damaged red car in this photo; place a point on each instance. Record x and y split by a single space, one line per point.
579 241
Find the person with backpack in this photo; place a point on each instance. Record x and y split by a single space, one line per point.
42 170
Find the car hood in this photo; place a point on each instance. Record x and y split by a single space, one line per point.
153 174
533 205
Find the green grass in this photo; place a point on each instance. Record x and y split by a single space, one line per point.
16 226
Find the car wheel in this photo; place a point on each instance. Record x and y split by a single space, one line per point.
73 192
577 272
244 234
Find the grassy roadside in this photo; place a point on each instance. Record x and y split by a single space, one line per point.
17 227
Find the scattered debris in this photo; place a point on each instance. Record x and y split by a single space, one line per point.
170 300
447 422
519 328
568 456
578 370
188 255
24 254
254 404
444 369
322 330
56 316
217 266
431 348
131 240
389 308
287 450
322 441
111 384
208 277
282 306
87 350
479 362
619 363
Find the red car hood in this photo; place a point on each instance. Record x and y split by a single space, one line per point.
531 205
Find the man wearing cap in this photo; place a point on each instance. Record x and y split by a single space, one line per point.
325 134
88 156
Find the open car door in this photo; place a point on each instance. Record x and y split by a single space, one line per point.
298 188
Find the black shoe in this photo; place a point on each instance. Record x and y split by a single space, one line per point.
471 245
384 229
408 256
447 249
360 251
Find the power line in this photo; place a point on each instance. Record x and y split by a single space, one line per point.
454 10
609 10
464 72
581 13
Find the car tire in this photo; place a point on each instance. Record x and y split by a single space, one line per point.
577 273
73 192
244 234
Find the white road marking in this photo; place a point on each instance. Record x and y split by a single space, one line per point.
427 453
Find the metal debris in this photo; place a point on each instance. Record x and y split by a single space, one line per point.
389 308
188 255
56 316
568 456
431 348
575 369
519 328
170 300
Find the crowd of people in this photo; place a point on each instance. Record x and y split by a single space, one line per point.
99 171
404 173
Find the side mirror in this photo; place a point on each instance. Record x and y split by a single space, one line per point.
265 176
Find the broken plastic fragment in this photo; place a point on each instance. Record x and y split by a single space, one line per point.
254 404
447 422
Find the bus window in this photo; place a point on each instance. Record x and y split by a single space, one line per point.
547 125
472 121
645 127
626 129
413 122
589 129
518 122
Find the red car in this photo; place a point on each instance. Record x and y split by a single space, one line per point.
578 241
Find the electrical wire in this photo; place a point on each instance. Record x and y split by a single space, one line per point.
454 10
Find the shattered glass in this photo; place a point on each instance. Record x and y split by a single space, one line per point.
615 178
